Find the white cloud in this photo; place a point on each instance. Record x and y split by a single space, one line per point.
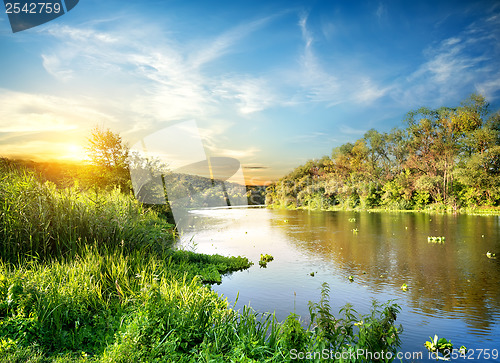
369 92
351 131
24 112
459 65
249 94
223 44
381 12
332 85
53 65
488 88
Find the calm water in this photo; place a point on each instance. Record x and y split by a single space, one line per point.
453 288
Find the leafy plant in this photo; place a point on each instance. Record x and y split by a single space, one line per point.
436 239
375 332
439 345
264 259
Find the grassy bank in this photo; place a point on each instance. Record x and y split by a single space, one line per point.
87 276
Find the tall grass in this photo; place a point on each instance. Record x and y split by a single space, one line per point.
38 219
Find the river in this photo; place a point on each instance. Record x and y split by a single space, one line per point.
453 287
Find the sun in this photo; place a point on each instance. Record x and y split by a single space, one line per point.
75 152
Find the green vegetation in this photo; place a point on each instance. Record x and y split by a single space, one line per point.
264 259
431 239
40 220
491 255
445 159
443 346
442 349
92 276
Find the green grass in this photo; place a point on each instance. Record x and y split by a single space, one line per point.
136 308
86 276
38 219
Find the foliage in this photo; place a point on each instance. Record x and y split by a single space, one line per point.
442 345
134 308
40 220
108 155
108 289
375 332
264 259
444 158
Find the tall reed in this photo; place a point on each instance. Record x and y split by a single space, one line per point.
38 219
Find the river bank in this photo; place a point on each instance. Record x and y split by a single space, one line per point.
431 209
94 276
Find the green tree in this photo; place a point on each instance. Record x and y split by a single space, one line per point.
108 155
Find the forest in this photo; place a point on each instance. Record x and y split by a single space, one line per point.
442 159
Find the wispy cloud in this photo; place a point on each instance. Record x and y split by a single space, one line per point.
320 86
249 94
24 112
163 81
225 42
313 137
332 85
466 62
381 12
348 130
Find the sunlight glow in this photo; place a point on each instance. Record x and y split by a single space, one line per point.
74 152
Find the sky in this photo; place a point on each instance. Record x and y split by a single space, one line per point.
269 83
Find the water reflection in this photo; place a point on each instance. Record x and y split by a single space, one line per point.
455 278
453 287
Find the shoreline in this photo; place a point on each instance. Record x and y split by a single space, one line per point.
491 211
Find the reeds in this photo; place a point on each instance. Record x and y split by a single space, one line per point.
39 220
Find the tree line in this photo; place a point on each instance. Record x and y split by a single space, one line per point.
446 158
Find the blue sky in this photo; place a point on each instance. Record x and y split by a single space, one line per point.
271 83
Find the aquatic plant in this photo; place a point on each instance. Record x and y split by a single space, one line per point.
431 239
264 259
439 345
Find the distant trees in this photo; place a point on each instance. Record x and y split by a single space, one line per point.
446 156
